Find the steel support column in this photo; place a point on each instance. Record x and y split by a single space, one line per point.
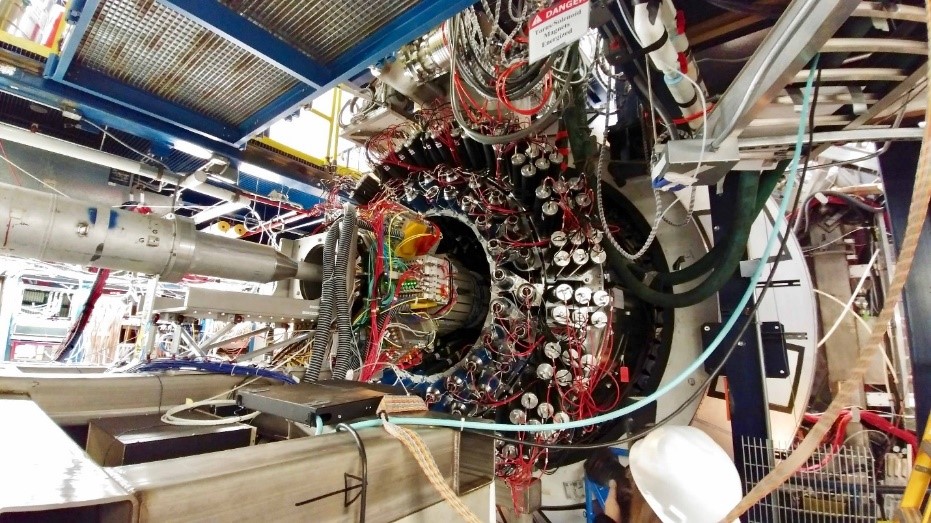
82 11
746 382
795 39
898 166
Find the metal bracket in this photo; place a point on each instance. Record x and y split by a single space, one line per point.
775 357
679 160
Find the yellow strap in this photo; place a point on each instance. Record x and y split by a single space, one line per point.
421 453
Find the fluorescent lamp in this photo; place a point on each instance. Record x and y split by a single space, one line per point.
193 150
212 213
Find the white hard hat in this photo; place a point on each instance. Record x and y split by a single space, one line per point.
685 476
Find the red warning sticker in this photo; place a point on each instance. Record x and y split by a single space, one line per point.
557 26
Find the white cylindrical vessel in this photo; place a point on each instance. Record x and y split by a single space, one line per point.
650 30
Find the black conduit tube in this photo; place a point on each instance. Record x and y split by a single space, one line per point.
325 315
748 184
347 240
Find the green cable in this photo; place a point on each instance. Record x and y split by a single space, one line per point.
714 257
748 185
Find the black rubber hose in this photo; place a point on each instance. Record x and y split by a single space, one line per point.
852 201
345 349
325 315
748 184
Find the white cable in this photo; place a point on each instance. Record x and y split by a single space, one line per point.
865 325
849 305
704 107
34 177
169 416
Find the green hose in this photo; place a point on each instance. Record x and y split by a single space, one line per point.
768 182
730 255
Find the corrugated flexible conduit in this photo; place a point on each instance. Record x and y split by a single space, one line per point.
323 333
730 256
344 348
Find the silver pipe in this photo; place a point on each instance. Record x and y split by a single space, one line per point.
48 143
48 227
192 344
219 334
195 182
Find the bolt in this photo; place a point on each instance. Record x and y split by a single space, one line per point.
706 328
691 381
717 227
741 343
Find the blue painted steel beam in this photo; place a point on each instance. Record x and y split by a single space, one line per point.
104 112
289 102
898 167
103 86
413 23
82 12
252 38
746 380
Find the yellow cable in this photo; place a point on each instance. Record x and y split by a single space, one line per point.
849 390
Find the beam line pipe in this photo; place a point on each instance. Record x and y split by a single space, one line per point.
52 228
196 182
48 143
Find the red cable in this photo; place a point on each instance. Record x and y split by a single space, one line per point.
693 116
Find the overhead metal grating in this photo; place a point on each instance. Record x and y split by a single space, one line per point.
322 30
150 47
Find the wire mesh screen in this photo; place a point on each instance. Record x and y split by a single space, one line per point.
835 486
322 30
152 48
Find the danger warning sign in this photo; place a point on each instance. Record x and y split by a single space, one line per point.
557 26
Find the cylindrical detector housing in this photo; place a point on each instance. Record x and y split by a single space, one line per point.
469 305
52 228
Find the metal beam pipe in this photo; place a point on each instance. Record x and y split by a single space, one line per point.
196 182
41 141
52 228
834 137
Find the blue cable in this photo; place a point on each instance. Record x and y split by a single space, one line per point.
665 389
214 368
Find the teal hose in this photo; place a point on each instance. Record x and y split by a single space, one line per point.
688 371
748 184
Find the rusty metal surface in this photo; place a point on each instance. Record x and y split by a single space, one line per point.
321 29
150 47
